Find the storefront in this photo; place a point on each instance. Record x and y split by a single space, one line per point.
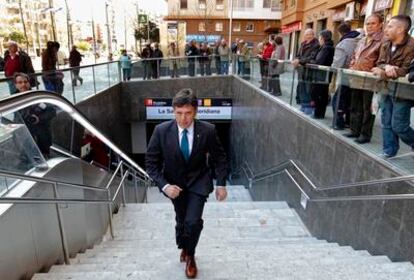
409 10
290 34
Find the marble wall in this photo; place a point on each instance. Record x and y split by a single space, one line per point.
266 132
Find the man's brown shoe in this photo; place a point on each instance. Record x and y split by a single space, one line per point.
183 255
191 268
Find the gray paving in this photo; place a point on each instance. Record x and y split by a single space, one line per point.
240 240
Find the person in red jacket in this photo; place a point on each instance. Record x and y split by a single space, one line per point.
265 57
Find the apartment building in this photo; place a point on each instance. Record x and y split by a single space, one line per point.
297 15
36 20
209 20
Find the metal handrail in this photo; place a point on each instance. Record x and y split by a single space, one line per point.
16 102
15 175
57 201
277 169
307 198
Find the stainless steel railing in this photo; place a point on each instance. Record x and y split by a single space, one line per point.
282 168
57 200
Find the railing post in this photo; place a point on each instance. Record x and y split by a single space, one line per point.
94 81
73 86
72 136
119 71
111 228
135 187
109 75
293 86
123 186
61 228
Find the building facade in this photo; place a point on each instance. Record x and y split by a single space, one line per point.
210 20
298 15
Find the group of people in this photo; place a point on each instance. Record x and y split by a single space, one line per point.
18 61
385 51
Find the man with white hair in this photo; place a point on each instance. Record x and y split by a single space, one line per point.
15 61
306 53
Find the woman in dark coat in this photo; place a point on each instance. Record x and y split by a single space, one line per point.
322 78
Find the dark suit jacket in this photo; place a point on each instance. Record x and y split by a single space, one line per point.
166 164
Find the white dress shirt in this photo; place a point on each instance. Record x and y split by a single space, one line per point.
190 137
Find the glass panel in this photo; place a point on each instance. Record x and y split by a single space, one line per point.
18 149
101 77
114 73
84 86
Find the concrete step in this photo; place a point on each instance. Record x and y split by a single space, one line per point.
240 240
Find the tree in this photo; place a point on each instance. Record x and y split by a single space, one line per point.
17 36
141 33
84 46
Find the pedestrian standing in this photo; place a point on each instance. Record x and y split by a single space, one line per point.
321 78
126 65
17 61
276 66
341 101
75 59
224 52
307 52
191 52
364 59
204 59
174 61
395 57
146 63
157 56
52 79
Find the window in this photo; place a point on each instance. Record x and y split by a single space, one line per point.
219 5
183 4
292 3
243 4
202 4
266 4
275 5
219 26
236 26
201 26
250 27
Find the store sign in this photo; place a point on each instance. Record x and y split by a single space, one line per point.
381 5
208 109
297 26
172 25
203 38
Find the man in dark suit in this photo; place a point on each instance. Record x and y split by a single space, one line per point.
178 160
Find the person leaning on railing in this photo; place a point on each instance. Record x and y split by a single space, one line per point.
191 51
319 89
224 52
341 101
276 67
157 56
396 55
205 59
146 54
243 56
364 59
217 57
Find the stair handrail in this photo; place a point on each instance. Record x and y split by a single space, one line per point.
19 101
306 197
57 201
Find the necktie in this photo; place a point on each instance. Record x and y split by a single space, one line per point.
185 148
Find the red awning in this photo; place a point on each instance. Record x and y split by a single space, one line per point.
292 27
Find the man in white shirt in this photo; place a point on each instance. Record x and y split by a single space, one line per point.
178 159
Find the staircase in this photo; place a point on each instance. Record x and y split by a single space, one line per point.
240 240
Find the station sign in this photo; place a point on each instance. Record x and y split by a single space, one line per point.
208 109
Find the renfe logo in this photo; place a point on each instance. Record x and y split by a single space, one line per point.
148 102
